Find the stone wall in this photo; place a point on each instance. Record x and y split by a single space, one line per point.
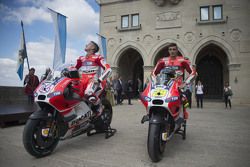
12 95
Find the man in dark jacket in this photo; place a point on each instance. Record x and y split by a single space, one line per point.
31 82
129 91
119 90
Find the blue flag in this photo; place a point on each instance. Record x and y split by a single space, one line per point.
59 21
22 55
103 46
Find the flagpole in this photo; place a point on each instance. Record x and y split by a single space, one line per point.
25 45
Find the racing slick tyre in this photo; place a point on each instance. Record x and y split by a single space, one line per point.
155 144
39 138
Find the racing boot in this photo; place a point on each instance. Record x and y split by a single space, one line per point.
97 107
92 99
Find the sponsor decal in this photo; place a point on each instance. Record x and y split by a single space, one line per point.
50 95
87 63
172 99
170 83
174 67
82 118
146 98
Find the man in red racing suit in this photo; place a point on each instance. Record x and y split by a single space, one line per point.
179 64
94 71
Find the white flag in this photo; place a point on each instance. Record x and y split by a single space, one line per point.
60 38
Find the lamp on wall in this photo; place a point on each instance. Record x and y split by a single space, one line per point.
236 80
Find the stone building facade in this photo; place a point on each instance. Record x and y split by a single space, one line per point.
213 34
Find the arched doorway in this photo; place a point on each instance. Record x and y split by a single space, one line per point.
212 70
130 67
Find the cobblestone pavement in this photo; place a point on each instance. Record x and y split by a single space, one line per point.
216 137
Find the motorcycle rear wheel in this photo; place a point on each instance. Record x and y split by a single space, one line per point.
156 146
35 143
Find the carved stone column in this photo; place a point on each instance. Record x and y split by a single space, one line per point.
147 71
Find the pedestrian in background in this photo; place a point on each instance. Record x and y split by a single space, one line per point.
119 89
110 91
227 94
188 92
139 85
31 81
129 91
114 84
199 91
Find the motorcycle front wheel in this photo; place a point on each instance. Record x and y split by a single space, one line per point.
156 146
40 137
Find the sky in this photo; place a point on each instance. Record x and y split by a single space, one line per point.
82 26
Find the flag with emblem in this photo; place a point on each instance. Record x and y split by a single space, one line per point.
22 54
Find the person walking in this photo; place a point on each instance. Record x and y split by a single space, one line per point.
227 95
199 94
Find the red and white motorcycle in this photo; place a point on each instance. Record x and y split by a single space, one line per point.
163 101
63 113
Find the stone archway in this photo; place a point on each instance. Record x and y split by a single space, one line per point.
212 67
130 67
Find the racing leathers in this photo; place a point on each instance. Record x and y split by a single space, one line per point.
94 71
179 64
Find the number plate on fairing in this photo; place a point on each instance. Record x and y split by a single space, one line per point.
159 92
